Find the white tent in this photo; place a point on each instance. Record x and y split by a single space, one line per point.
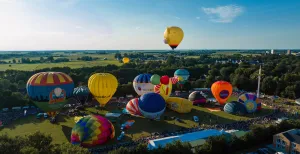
115 115
297 101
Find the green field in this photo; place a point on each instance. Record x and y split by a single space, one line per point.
74 63
142 127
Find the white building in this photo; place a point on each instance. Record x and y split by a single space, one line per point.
272 51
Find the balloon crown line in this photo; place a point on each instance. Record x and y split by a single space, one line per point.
156 79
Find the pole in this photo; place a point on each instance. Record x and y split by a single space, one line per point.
258 84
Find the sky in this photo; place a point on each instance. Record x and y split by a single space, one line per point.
140 24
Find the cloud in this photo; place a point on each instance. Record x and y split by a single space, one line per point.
137 28
177 17
223 14
197 17
78 27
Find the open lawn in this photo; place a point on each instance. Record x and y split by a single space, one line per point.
142 127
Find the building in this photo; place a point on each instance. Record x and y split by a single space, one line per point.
195 138
287 142
289 52
272 51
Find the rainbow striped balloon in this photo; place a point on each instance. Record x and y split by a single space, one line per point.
133 107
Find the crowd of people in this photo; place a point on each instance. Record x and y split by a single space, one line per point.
239 125
6 117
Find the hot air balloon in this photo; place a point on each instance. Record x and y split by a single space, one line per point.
152 105
142 84
179 105
126 60
251 102
165 88
173 36
91 131
155 79
235 107
81 94
50 90
197 98
183 75
103 86
221 90
132 107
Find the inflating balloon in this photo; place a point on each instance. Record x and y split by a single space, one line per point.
126 60
235 107
251 102
165 90
152 105
50 90
133 107
92 130
155 79
81 94
179 105
197 98
221 90
164 80
183 75
103 86
173 36
142 84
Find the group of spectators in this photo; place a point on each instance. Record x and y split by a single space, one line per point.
278 112
6 117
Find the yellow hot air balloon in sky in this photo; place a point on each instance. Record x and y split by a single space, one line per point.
126 60
173 36
103 86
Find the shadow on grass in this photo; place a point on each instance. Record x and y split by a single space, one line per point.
67 131
24 120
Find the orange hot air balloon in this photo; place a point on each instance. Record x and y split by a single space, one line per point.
221 90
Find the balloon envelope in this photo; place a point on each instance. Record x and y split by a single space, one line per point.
183 74
251 102
222 91
235 107
173 36
164 80
197 98
142 84
103 86
50 90
152 105
155 79
132 107
126 60
92 130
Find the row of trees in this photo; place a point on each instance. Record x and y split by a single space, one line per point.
36 143
257 136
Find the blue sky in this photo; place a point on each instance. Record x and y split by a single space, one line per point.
139 24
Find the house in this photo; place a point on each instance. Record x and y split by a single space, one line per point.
287 142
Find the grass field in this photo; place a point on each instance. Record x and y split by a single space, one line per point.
74 63
142 127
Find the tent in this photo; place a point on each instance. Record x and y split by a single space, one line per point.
114 115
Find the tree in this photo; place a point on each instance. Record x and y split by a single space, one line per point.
50 58
14 61
171 60
42 59
268 85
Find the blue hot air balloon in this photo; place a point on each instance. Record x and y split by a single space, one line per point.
152 105
183 75
235 107
81 93
142 84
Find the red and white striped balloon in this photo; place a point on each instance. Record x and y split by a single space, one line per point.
133 107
